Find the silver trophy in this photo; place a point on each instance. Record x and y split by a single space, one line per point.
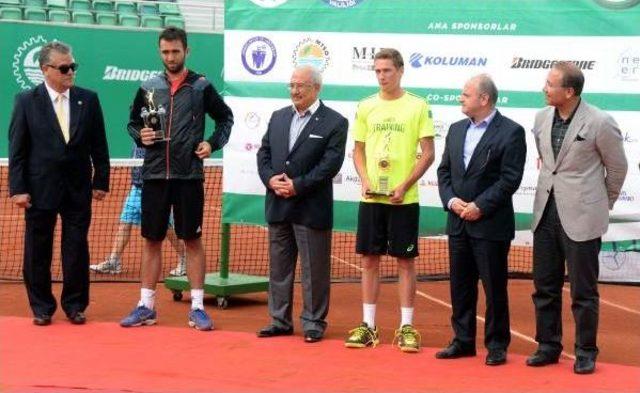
154 117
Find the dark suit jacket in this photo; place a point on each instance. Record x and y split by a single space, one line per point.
315 159
42 164
492 177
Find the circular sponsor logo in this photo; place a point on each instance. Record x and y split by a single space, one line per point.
25 65
618 4
258 55
311 52
613 260
252 120
343 3
268 3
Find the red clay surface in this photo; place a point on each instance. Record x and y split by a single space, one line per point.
619 340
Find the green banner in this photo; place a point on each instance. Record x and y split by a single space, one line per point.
507 99
249 209
113 62
490 17
443 43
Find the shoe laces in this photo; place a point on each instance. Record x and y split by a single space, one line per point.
199 314
407 334
362 332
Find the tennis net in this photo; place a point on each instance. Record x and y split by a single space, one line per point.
248 244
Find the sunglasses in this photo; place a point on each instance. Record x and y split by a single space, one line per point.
64 68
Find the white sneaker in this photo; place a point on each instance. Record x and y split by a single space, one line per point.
180 269
109 266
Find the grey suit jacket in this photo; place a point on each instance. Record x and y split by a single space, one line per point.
587 175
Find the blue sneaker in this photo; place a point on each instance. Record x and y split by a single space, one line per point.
200 320
139 316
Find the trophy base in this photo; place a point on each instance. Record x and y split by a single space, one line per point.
379 193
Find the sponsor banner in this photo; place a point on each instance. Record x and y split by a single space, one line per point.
249 209
113 71
610 64
619 256
252 119
619 266
507 17
442 48
507 98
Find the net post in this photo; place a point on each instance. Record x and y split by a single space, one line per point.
225 234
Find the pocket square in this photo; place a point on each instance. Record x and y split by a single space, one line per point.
315 136
579 138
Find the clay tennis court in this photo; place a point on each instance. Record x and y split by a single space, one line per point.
170 357
63 365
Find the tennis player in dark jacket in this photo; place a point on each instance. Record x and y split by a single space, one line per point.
172 171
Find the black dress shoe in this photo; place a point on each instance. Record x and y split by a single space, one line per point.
542 358
454 351
584 365
42 320
77 318
273 331
312 336
496 357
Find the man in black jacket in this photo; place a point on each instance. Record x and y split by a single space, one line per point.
301 152
481 168
56 140
173 172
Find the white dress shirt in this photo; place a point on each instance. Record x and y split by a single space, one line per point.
474 134
299 121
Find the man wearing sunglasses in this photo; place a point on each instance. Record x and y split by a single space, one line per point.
58 160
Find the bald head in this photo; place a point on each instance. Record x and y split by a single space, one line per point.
479 97
485 85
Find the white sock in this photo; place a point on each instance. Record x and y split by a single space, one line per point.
147 298
197 297
406 314
369 314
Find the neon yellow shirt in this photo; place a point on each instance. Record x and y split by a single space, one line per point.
391 131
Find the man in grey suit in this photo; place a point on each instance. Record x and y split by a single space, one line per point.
583 167
301 152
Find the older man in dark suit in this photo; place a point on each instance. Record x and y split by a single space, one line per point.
56 140
301 152
481 168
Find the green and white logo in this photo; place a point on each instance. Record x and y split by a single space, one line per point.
25 63
268 3
618 4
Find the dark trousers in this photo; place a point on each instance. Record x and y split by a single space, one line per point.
551 247
38 251
286 241
472 259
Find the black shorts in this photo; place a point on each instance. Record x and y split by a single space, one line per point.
186 197
388 229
